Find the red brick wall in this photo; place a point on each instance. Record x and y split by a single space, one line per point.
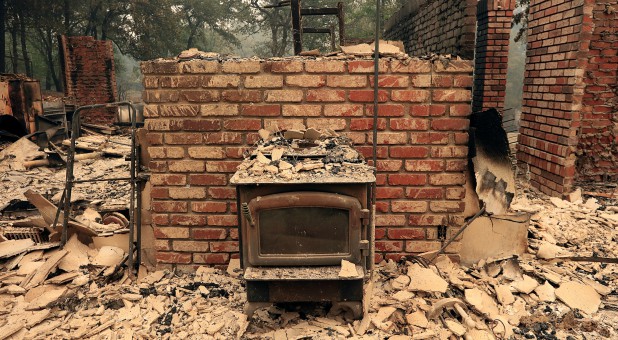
568 124
492 50
89 75
597 148
201 116
429 26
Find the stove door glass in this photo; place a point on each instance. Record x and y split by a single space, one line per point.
304 230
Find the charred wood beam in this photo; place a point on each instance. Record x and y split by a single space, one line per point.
316 30
296 26
320 11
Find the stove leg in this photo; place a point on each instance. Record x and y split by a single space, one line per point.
353 309
251 307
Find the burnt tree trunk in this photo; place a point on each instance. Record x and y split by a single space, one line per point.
67 18
15 51
24 46
2 36
48 47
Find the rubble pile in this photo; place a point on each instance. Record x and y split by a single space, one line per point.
302 155
23 166
82 292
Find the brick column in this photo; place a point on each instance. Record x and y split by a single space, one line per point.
598 139
491 53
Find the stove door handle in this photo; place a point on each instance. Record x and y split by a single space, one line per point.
244 207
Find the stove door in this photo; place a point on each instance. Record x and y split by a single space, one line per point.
304 228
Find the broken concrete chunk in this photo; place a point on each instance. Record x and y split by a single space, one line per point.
546 292
592 204
526 285
283 165
560 203
482 301
108 256
511 270
272 169
76 257
548 251
504 295
262 159
403 295
478 334
417 319
359 50
293 134
401 282
307 166
580 296
276 154
348 269
575 196
312 134
14 247
455 327
425 279
383 314
264 134
47 298
233 268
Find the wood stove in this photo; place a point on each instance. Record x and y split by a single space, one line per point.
302 212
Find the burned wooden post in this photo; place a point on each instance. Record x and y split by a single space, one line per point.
297 27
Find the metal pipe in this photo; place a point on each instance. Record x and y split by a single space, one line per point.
132 201
138 219
376 61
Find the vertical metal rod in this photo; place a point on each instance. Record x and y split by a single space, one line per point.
138 218
69 178
341 17
376 62
296 26
60 205
332 37
132 200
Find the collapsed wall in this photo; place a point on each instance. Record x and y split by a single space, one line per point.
201 115
429 26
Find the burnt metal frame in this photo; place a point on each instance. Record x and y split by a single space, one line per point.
297 29
65 200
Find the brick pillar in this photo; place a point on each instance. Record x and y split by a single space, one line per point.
554 85
491 53
598 137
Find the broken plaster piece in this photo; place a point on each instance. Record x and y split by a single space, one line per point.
580 296
108 256
482 301
425 279
504 295
546 292
348 269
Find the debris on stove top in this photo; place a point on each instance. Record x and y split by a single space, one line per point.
303 156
